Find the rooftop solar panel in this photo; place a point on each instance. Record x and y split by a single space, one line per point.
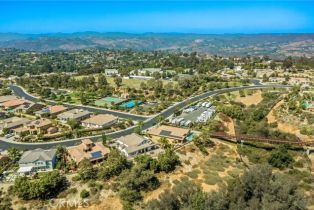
165 133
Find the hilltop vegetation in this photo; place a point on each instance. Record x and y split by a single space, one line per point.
276 45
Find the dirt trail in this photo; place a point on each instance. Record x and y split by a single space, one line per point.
271 118
230 126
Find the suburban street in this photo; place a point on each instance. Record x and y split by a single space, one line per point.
20 92
147 123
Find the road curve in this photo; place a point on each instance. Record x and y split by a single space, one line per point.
19 91
4 144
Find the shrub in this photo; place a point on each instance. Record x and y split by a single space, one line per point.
84 194
280 158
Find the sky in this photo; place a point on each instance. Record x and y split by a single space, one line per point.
206 17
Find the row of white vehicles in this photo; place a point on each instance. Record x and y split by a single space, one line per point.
181 122
206 115
197 106
208 108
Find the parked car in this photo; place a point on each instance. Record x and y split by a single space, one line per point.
9 135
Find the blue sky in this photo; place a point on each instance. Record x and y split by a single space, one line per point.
268 16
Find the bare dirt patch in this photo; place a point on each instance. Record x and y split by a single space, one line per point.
109 203
284 126
248 100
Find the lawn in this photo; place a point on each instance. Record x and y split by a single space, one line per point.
132 83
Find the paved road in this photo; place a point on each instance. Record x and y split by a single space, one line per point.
4 144
256 82
18 91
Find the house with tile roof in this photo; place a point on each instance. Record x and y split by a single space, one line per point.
39 126
11 104
51 110
92 151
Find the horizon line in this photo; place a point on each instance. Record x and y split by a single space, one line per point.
148 32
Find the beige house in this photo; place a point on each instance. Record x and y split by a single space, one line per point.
11 123
52 110
277 79
40 126
134 144
100 121
174 133
94 152
7 98
74 114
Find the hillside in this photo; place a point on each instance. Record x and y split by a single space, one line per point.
274 45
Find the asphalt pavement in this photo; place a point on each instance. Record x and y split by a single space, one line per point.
147 123
20 92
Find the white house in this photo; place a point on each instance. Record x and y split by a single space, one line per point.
134 144
37 160
111 72
100 121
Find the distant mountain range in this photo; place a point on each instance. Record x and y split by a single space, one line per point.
275 45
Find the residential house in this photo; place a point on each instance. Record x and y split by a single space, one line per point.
74 114
40 126
37 160
7 98
277 79
34 107
174 133
52 110
146 71
94 152
134 144
237 68
100 121
12 104
111 72
11 123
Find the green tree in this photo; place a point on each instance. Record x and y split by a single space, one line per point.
280 158
73 124
118 81
113 166
48 185
203 141
14 154
146 162
164 142
104 139
102 81
168 160
86 170
61 154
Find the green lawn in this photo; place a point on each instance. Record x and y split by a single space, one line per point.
132 83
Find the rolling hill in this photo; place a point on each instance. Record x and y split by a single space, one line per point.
275 45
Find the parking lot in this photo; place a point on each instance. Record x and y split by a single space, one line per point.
199 113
